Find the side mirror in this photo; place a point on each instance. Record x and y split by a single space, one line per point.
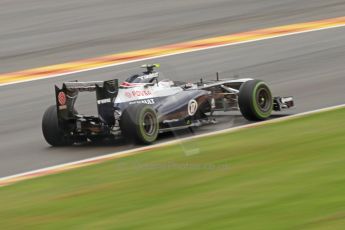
149 84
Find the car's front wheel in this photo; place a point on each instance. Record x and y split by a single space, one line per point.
255 100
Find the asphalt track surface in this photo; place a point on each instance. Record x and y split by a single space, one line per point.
308 66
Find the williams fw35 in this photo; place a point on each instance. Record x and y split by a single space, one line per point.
143 106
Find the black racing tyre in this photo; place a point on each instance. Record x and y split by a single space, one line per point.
255 100
52 132
139 123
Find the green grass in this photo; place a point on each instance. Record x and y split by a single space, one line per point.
288 175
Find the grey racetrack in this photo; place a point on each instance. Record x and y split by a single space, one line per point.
35 33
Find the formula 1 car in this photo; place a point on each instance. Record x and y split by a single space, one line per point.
144 106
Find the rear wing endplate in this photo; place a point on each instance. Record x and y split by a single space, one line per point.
106 92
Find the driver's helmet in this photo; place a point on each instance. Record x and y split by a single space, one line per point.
148 76
143 78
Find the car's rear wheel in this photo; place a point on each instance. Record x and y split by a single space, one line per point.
255 100
139 123
51 129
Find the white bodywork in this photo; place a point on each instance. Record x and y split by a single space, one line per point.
141 91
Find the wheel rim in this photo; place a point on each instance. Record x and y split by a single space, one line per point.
149 124
263 99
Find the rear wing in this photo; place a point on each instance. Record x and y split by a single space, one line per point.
106 92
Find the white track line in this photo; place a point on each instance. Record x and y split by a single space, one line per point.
172 54
142 149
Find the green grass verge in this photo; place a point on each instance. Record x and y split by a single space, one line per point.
288 175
